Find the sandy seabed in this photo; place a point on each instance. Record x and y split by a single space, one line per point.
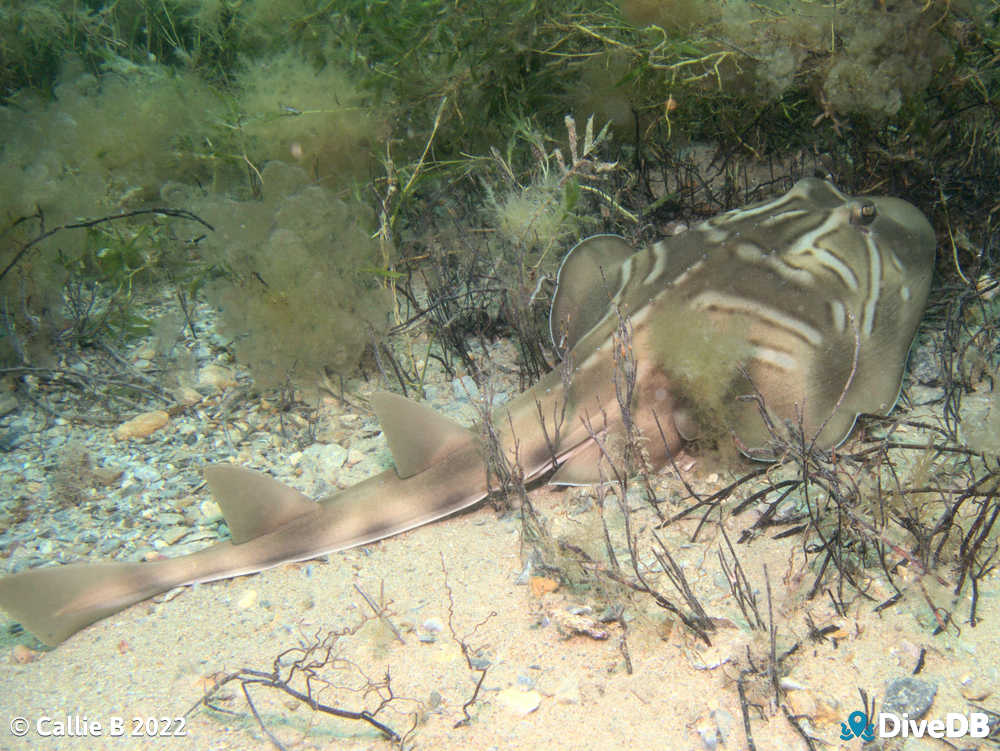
156 659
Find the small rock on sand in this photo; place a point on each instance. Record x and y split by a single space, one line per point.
22 655
142 425
518 701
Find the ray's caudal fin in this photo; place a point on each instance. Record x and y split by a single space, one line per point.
794 314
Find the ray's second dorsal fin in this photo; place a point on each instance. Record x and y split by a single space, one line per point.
252 502
589 277
418 437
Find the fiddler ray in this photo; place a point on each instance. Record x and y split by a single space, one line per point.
791 314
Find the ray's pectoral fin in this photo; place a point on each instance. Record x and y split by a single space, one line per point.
589 276
418 437
582 467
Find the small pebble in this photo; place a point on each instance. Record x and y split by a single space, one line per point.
434 625
464 388
8 403
974 690
525 576
22 655
708 731
170 535
142 426
569 624
724 722
541 585
518 701
568 691
247 600
801 702
216 377
326 456
210 512
187 396
10 439
429 629
144 352
909 696
790 684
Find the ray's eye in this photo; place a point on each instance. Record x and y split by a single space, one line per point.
863 213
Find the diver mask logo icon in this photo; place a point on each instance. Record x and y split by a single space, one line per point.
857 726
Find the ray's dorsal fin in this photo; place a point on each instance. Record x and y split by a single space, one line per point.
252 502
589 277
418 437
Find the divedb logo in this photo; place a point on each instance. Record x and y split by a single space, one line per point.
891 725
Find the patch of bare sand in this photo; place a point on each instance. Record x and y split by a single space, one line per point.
155 659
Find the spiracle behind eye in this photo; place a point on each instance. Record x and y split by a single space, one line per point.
863 213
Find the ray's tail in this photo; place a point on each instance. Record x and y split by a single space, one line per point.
56 602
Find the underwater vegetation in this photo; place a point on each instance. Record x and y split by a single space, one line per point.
149 135
859 58
392 110
316 118
304 291
97 145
